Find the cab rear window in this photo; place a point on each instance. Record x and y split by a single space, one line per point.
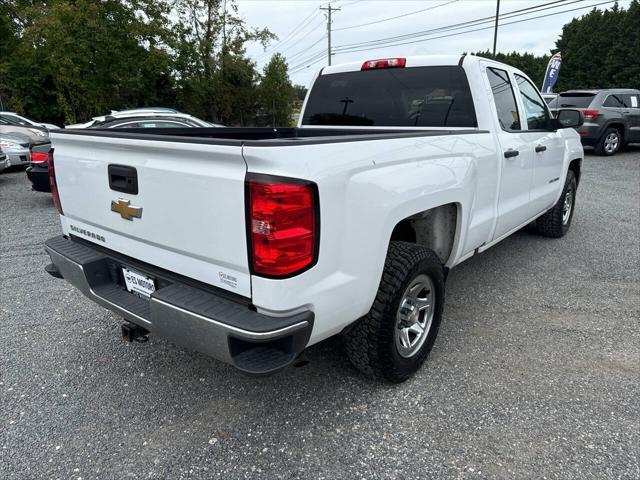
393 97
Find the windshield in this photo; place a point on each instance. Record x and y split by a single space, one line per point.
16 120
402 97
5 120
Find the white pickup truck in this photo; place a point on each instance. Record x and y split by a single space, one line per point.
251 244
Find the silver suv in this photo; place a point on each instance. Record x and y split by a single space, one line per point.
611 117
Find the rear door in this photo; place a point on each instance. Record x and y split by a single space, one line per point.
547 146
516 154
631 114
186 214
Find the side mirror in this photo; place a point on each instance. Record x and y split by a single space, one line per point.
568 118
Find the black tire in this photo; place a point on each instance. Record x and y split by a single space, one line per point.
553 224
371 342
601 147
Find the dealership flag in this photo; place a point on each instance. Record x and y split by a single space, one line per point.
553 69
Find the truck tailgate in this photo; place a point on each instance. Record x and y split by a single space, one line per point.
192 220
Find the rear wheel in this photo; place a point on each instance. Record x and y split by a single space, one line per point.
609 143
394 339
556 222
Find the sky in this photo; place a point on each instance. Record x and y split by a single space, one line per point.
302 28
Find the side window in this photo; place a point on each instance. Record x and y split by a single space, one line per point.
127 125
630 100
504 98
535 108
165 124
613 101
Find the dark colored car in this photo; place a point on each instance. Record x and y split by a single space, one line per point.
611 117
38 169
3 160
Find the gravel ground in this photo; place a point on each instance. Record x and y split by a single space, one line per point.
535 373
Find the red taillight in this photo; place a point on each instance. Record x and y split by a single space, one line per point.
590 113
282 225
52 182
39 157
384 63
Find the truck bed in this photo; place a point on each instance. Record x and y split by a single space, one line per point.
263 136
188 185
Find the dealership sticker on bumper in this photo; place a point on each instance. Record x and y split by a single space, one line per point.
138 284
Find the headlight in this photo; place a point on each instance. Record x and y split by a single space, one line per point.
7 145
40 133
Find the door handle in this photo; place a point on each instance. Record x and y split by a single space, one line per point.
123 178
511 153
540 148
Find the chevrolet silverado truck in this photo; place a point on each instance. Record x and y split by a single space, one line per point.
250 244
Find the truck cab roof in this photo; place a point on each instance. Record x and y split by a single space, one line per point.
415 61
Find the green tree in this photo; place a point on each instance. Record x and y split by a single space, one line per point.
530 64
600 49
220 81
276 93
300 91
76 59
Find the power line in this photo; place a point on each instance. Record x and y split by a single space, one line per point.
351 3
301 69
295 44
305 50
475 30
315 58
288 36
315 55
398 16
471 31
307 63
491 18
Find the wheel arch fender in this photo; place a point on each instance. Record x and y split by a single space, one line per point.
619 125
437 227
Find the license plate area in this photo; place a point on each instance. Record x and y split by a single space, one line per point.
138 283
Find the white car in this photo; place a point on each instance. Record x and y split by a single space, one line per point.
141 112
251 244
24 121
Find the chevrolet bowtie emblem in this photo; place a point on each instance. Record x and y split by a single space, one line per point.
126 211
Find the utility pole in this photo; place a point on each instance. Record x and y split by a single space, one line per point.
329 9
495 30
